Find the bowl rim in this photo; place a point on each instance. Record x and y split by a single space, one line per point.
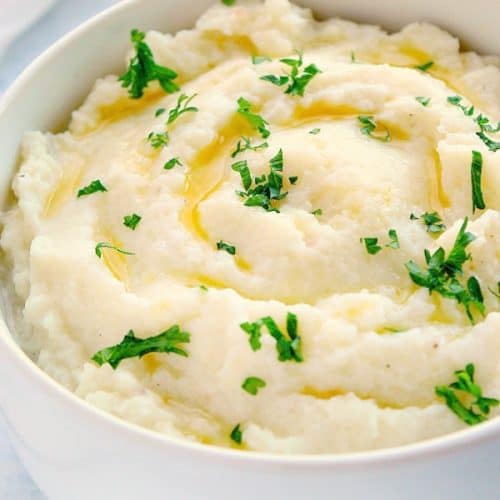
444 444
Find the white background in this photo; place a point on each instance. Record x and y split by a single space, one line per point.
27 28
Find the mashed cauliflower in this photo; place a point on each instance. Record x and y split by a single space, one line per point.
374 139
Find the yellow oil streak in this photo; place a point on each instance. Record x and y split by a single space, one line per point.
437 183
116 262
67 187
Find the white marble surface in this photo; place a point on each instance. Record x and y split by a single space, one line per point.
15 484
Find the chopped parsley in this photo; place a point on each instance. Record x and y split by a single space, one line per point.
489 142
425 67
293 179
254 332
288 348
256 121
170 164
143 69
236 434
456 100
315 131
244 144
252 385
480 407
230 249
476 171
295 81
131 346
368 127
482 121
371 245
260 59
104 244
497 293
353 57
394 240
131 221
424 101
317 212
93 187
158 139
267 189
203 288
432 222
159 112
442 274
182 106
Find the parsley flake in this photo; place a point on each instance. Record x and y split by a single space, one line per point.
368 127
371 245
296 82
425 67
131 346
288 348
267 189
170 164
252 385
244 144
104 244
236 434
131 221
182 106
456 100
424 101
476 171
489 142
260 59
394 240
293 179
432 222
479 408
158 139
441 275
317 212
93 187
230 249
254 332
143 69
315 131
159 112
257 122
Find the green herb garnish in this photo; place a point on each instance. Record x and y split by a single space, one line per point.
230 249
203 288
315 131
131 221
480 407
289 348
256 121
170 164
424 101
497 293
93 187
425 67
252 385
442 274
159 112
371 245
131 346
254 332
236 434
432 222
456 100
353 57
368 127
317 212
104 244
260 59
143 69
293 179
244 144
182 107
485 125
490 143
267 189
158 139
476 171
296 82
394 240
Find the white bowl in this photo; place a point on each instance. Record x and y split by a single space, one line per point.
77 452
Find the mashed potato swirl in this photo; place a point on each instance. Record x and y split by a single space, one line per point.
374 344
